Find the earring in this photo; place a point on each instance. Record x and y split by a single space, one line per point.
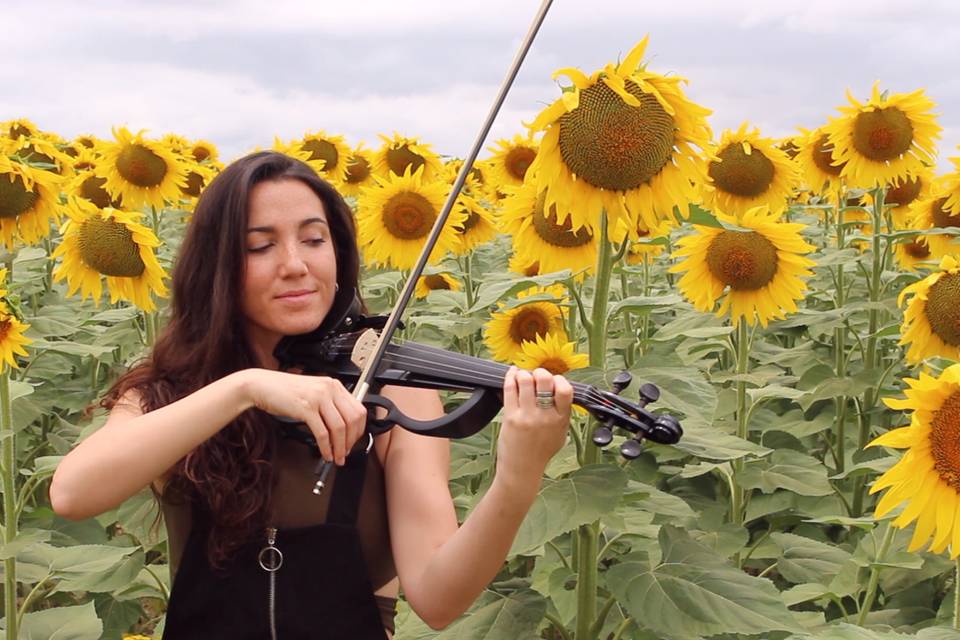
336 287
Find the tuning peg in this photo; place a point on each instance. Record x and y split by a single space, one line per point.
631 449
602 436
666 430
621 381
648 393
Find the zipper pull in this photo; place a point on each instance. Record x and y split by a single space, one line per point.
270 557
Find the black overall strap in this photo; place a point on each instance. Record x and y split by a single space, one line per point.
347 489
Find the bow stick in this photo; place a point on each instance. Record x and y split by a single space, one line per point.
367 374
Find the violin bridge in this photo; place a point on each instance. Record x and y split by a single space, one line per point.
363 347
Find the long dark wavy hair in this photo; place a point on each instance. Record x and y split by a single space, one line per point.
231 473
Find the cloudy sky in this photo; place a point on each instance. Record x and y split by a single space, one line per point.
239 72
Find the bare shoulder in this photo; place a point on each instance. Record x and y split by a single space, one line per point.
400 447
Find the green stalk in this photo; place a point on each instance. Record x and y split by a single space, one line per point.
840 348
468 290
869 361
627 322
956 596
9 473
875 575
743 361
150 328
588 535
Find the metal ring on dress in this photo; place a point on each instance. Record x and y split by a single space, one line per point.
278 558
369 442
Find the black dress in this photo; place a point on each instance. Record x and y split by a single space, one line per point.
319 590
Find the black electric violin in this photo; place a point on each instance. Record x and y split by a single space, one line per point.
343 351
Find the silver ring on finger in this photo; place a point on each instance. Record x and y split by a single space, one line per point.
545 400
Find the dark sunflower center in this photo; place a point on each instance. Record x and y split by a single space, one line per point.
743 260
87 142
529 323
200 153
5 326
70 151
741 174
823 156
945 440
883 134
14 196
613 145
194 185
17 130
435 282
533 269
32 155
109 248
556 366
790 148
83 165
916 249
477 175
140 166
559 235
358 170
472 220
92 189
518 160
943 308
941 217
399 158
322 150
408 216
904 193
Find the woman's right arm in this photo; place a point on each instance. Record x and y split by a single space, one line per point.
133 449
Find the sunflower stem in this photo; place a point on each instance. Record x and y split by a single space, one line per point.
743 362
468 289
149 328
840 347
9 473
956 595
875 575
627 322
588 535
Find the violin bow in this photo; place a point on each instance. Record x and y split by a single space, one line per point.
386 334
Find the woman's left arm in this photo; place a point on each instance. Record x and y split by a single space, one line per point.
443 568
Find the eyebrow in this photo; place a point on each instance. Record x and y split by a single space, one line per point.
302 224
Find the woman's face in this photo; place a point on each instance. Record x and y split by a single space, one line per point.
291 267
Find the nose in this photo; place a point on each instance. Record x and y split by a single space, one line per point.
292 262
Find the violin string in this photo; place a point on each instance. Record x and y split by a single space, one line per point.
496 370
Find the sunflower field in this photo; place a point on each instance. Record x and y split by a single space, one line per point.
795 301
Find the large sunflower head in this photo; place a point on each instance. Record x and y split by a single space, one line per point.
747 171
913 254
820 171
477 227
885 139
542 234
358 173
932 213
755 270
12 339
931 322
395 217
29 202
624 140
508 328
140 171
551 352
927 477
109 243
400 154
436 282
511 159
203 151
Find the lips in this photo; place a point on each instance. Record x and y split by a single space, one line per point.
296 294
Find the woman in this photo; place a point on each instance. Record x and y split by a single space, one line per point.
270 252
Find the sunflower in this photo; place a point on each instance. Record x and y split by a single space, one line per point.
140 171
203 151
400 153
951 183
912 254
85 160
199 176
762 265
931 322
817 165
621 140
111 243
747 171
477 227
523 265
176 143
789 146
932 213
14 129
395 218
927 477
903 192
507 329
551 352
88 141
358 173
886 139
644 246
12 339
29 201
327 154
86 184
511 159
436 282
545 236
40 154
